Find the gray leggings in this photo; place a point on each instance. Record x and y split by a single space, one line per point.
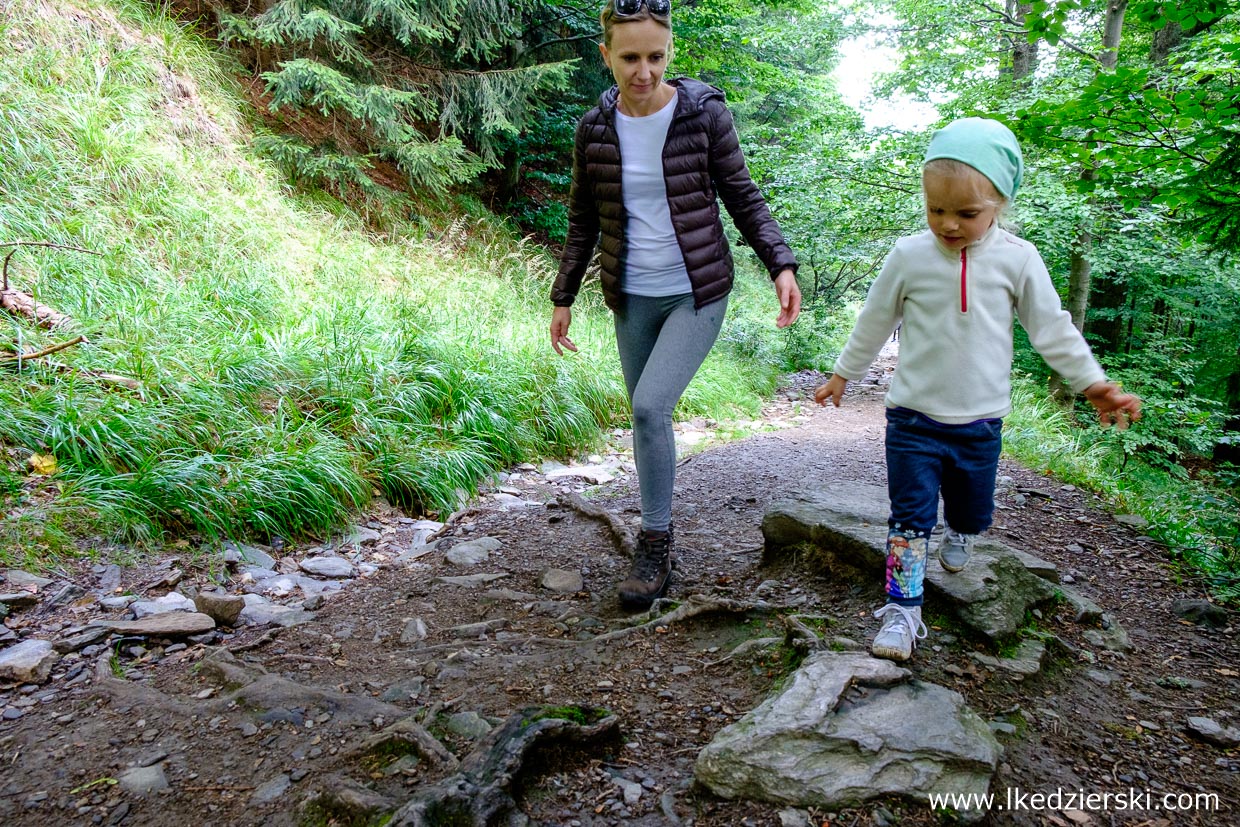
663 341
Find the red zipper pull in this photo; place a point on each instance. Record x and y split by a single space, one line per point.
964 281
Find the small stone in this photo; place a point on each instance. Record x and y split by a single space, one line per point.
1132 520
223 608
328 566
169 624
272 790
117 602
171 602
1206 729
1201 612
19 578
30 661
561 581
415 630
468 724
473 552
143 780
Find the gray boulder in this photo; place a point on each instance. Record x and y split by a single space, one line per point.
850 728
30 661
849 522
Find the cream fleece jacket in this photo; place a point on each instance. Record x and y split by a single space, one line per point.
957 310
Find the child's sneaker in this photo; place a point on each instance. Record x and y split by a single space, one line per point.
902 628
955 549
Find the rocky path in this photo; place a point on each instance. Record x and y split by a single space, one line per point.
330 683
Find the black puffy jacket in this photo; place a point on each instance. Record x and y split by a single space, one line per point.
702 163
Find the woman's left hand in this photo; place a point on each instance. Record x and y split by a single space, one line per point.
789 293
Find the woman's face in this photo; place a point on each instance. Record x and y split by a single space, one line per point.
959 208
637 57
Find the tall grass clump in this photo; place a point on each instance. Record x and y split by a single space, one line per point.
292 356
1197 519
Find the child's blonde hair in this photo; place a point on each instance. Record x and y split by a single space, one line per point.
951 168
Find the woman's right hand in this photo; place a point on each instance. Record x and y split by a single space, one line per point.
833 390
561 318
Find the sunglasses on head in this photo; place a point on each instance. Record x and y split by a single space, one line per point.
659 8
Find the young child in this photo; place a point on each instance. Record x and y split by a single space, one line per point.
956 289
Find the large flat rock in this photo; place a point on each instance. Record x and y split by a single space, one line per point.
849 728
169 624
849 521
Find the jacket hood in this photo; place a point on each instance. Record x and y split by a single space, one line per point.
691 94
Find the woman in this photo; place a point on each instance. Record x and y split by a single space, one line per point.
649 165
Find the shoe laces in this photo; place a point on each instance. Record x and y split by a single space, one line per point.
953 537
906 619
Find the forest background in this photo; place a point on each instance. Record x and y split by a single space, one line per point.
299 250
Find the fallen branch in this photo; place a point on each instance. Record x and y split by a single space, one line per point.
20 303
22 357
106 378
621 536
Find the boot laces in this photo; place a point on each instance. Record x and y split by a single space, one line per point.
652 551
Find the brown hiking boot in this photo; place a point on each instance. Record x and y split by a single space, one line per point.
652 570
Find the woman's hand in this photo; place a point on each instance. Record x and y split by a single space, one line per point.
833 390
1113 405
789 293
561 318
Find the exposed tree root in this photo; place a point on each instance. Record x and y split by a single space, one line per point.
481 792
621 536
409 731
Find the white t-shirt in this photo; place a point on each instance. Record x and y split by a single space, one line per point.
653 264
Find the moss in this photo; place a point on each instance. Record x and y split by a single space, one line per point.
583 716
320 813
384 754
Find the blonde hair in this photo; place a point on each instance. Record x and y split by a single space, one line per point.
608 20
951 168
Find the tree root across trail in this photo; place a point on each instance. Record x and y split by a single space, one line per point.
474 790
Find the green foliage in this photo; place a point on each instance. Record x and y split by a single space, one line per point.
291 361
1159 134
1197 518
440 88
1178 424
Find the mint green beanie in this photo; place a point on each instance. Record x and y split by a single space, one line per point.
984 144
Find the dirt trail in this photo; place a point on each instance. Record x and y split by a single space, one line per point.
236 747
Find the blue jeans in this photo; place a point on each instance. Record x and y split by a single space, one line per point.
925 458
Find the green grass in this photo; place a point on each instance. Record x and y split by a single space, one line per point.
295 356
1197 519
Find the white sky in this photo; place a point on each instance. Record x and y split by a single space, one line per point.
860 58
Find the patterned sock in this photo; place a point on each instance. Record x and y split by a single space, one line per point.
906 563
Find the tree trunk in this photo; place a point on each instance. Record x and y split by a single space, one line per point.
1165 39
1110 293
1229 451
1024 53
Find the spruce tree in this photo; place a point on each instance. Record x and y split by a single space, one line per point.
433 90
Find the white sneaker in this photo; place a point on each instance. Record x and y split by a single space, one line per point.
902 628
955 549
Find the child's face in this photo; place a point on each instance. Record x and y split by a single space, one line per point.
959 208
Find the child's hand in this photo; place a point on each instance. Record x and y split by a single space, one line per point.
833 390
1114 406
